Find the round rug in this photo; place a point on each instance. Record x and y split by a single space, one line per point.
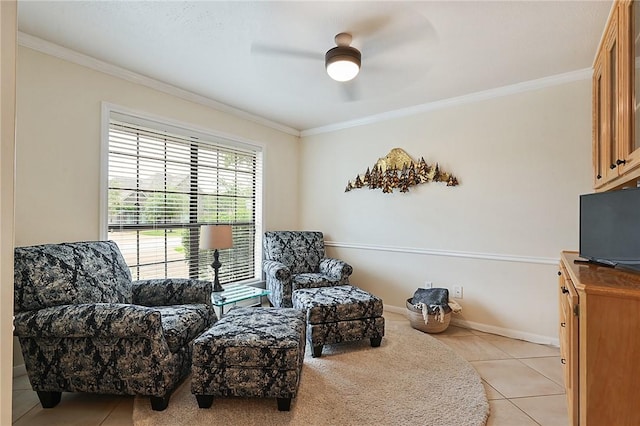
411 379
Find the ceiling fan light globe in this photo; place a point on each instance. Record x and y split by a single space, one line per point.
343 63
344 70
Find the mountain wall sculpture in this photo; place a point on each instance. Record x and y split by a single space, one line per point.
397 170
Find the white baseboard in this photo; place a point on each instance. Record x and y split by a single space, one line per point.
500 331
19 370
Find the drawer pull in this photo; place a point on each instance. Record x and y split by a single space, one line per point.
559 273
563 324
563 361
564 290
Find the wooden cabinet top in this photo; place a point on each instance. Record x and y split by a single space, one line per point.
600 279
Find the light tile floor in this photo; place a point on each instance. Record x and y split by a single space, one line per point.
523 383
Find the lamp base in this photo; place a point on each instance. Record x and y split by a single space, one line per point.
217 287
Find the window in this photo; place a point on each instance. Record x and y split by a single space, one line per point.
164 182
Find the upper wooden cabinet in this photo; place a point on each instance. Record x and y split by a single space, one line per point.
616 99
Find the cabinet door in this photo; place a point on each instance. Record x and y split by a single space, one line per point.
611 79
629 144
606 109
568 334
600 127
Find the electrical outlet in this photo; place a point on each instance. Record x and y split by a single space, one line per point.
428 284
457 291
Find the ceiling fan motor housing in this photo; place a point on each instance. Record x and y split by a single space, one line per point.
339 53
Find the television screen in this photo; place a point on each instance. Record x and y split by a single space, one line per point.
610 227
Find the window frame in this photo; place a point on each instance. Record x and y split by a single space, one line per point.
116 112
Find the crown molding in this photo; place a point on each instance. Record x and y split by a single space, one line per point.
554 80
72 56
69 55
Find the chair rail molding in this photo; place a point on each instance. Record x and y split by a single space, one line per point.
448 253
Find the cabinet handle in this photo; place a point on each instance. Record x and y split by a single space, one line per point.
564 290
613 166
563 361
563 324
599 177
621 162
559 273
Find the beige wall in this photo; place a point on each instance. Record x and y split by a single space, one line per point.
522 160
58 148
8 14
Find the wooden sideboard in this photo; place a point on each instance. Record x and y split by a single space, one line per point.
600 342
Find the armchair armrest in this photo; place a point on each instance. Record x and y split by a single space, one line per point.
335 268
89 320
276 270
171 291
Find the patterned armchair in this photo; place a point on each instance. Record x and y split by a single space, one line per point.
296 259
84 326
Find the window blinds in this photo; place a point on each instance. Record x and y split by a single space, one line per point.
164 184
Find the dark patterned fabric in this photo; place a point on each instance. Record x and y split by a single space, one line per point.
345 331
296 259
183 323
250 352
70 273
340 314
312 279
337 303
172 291
435 299
80 332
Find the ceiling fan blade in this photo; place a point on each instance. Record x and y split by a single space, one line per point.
264 49
419 31
351 90
367 27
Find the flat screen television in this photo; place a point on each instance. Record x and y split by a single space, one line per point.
610 228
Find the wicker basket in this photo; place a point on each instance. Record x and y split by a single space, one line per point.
433 326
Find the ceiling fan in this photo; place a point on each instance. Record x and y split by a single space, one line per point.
384 41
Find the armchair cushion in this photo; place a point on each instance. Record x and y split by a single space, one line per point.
70 273
171 291
300 251
313 280
183 323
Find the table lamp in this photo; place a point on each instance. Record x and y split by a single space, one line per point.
216 237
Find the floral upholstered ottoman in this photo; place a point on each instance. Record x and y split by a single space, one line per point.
340 314
250 352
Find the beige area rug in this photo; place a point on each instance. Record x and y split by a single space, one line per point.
411 379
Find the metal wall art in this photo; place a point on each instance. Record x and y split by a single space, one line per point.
397 170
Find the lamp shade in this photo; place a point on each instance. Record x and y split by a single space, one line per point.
216 237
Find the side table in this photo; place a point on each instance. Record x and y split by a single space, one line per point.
235 294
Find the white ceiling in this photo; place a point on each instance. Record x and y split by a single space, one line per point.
267 58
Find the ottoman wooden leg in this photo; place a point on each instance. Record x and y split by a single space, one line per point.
49 399
204 401
317 351
284 404
375 341
159 403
